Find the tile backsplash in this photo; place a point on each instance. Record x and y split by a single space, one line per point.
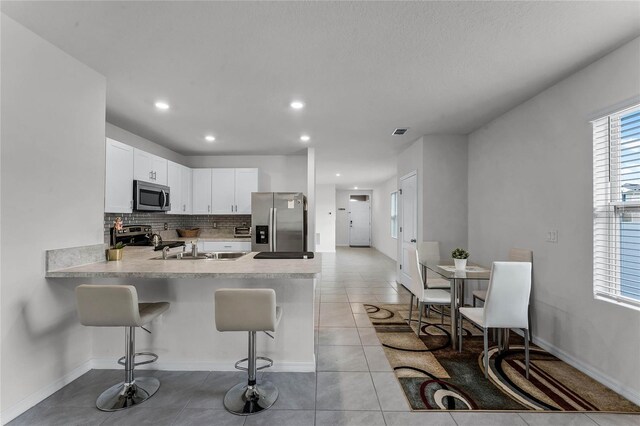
157 221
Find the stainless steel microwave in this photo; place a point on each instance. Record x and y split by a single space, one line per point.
151 197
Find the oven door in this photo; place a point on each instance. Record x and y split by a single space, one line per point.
151 197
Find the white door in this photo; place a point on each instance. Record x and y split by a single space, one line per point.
223 188
201 191
118 194
246 183
359 220
408 222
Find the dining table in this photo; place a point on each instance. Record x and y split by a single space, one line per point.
445 268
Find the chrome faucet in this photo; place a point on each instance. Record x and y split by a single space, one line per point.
165 252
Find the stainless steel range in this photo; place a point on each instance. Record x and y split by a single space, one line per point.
140 235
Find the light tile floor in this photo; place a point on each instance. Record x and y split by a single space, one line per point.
354 384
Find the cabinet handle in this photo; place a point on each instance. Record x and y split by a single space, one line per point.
208 208
131 204
150 175
184 207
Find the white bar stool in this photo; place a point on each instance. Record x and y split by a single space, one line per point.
249 310
117 306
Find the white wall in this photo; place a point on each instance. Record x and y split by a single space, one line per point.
326 218
342 216
441 165
278 173
381 218
530 171
52 180
444 200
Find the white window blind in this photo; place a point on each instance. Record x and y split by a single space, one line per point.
616 203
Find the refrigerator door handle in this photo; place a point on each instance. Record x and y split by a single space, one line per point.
270 233
275 228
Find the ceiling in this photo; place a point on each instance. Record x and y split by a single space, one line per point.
362 68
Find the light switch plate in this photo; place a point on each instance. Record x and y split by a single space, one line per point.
552 236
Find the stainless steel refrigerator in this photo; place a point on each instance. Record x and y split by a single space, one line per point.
279 221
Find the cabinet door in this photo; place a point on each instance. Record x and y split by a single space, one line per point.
186 190
118 194
246 183
174 180
223 191
143 166
159 169
201 191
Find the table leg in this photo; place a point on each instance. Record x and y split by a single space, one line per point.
454 315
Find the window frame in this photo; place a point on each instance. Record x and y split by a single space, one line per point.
611 208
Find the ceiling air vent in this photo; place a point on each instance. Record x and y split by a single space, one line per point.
400 131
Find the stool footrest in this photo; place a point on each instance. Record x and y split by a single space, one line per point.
261 358
154 357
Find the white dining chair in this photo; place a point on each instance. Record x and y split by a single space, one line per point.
515 255
424 296
429 251
506 305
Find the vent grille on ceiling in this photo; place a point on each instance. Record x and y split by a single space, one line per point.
400 131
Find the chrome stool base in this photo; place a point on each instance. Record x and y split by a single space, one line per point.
121 396
244 399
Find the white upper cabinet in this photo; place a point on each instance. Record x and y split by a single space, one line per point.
230 190
149 168
118 194
223 191
174 180
179 179
246 183
201 191
186 190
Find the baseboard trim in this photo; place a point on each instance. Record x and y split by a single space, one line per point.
35 398
613 384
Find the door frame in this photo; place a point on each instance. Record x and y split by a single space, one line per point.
400 268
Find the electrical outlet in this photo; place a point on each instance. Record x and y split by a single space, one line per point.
552 236
215 225
166 226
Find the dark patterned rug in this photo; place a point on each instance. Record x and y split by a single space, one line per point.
436 377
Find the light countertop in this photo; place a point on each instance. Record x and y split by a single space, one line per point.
143 262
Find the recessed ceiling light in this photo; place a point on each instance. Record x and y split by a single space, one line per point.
210 138
355 187
297 105
305 138
338 174
162 105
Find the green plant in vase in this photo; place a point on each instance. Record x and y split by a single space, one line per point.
460 257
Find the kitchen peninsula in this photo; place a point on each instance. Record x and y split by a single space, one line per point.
185 337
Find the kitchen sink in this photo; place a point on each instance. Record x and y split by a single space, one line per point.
216 255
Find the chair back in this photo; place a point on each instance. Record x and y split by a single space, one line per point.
507 303
429 251
416 285
520 255
108 305
245 309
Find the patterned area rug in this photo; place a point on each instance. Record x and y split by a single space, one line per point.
436 377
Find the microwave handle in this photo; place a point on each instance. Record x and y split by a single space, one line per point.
164 199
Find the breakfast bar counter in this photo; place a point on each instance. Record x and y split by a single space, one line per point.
185 337
143 262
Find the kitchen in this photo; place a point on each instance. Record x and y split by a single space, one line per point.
467 106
